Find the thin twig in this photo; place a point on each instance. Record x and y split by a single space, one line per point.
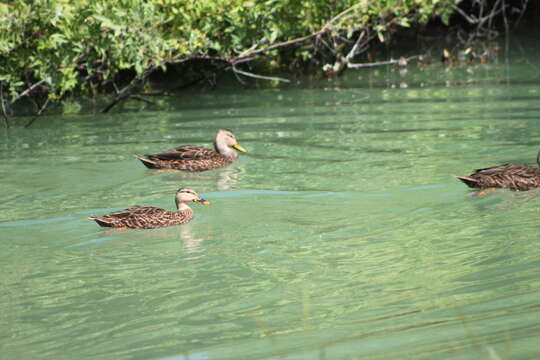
481 19
327 45
4 113
462 13
27 91
506 26
196 57
387 62
345 12
524 4
244 60
354 49
41 111
240 80
127 90
243 53
281 44
155 93
248 74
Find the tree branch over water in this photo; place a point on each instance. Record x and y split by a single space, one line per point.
27 91
128 90
401 62
248 74
39 113
57 48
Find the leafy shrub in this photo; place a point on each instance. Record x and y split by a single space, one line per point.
81 45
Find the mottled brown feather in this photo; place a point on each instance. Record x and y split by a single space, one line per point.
143 217
508 176
188 158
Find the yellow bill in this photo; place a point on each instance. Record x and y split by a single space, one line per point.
239 148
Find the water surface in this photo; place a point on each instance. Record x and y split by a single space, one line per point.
342 234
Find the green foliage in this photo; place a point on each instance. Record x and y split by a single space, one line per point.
79 45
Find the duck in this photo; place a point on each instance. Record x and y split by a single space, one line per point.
151 217
518 177
197 158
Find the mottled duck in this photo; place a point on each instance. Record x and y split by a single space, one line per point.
150 217
517 177
197 158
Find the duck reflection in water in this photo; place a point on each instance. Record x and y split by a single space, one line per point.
191 243
225 178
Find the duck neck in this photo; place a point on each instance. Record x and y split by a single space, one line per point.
183 213
182 206
224 150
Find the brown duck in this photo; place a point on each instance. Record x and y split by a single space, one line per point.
150 217
508 176
197 158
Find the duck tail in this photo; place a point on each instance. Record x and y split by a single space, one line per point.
148 163
469 181
100 221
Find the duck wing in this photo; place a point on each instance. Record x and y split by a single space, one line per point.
133 217
135 210
186 152
516 170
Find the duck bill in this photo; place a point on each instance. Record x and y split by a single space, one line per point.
239 148
203 202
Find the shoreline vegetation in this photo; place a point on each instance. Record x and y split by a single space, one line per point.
54 49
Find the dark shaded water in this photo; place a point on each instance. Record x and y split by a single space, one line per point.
342 234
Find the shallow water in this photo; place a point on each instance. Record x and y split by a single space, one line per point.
341 234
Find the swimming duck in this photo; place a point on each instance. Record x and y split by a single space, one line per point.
197 158
150 217
508 176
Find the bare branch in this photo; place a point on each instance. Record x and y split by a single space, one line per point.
279 45
467 17
346 11
27 91
41 111
243 54
196 57
400 61
524 4
127 90
243 60
240 80
481 19
248 74
354 49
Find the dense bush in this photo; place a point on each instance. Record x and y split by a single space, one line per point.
81 45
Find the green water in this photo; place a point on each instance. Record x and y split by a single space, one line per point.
341 234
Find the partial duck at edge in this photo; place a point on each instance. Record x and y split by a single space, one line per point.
517 177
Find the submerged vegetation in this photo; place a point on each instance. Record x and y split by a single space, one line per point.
52 48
